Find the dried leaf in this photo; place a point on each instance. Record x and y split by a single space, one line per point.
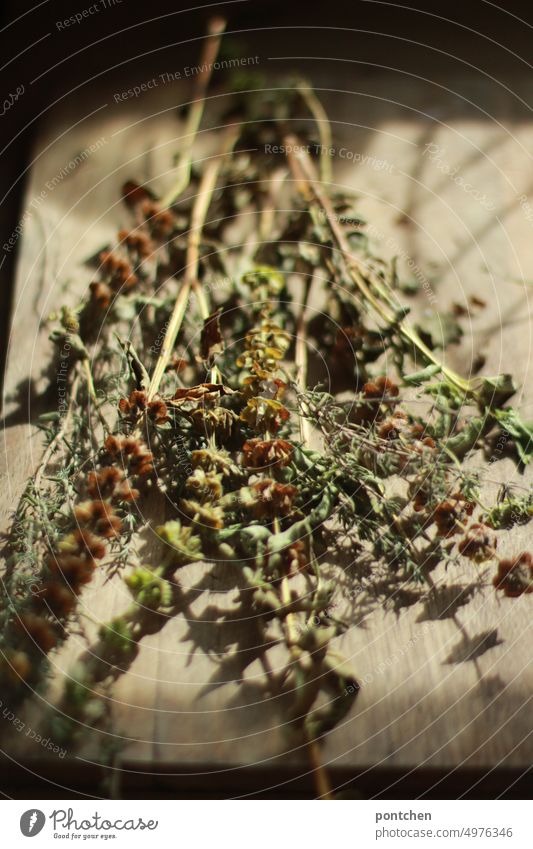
211 342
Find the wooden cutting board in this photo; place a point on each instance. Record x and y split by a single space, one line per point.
447 679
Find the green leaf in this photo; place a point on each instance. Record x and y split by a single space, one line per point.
438 330
422 376
494 391
463 442
49 417
521 432
139 375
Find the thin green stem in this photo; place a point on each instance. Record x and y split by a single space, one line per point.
194 119
190 281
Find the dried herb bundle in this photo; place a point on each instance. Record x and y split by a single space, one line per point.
187 372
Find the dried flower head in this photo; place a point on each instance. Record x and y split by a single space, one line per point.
214 460
270 498
118 271
217 422
137 242
204 486
261 453
134 194
58 597
382 389
101 295
160 221
132 451
393 426
138 403
103 483
39 630
450 515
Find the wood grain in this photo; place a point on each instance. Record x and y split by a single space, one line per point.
447 680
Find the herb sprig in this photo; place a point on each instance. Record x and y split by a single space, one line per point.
250 465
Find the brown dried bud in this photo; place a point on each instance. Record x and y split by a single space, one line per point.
39 630
101 294
449 514
515 575
134 194
90 543
272 498
382 388
158 411
58 597
138 242
73 568
102 484
99 516
478 544
260 453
